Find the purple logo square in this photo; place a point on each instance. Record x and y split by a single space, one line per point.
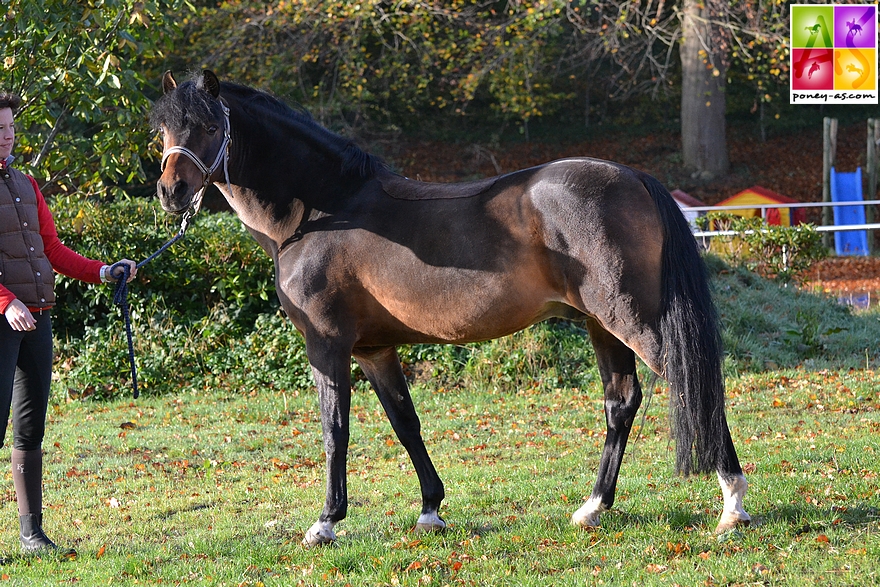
855 26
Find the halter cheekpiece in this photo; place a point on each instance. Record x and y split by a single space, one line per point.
207 172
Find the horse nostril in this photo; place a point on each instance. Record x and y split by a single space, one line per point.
174 196
180 189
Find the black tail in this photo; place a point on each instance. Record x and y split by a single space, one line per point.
691 348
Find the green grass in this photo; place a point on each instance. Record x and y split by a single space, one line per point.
217 488
215 473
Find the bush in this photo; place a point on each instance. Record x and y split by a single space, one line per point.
552 354
205 315
778 252
216 262
187 306
214 352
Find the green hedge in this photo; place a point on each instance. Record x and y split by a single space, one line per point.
205 316
193 309
217 262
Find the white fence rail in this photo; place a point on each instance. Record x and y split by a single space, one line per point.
764 207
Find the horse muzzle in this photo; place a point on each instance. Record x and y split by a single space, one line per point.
176 197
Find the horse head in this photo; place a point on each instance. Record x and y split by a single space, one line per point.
195 128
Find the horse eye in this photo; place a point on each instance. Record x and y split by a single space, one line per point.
212 129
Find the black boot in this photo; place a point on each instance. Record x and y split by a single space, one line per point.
32 537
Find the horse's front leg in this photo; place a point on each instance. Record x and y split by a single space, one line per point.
331 367
382 367
623 396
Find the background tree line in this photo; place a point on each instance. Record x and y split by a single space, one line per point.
88 70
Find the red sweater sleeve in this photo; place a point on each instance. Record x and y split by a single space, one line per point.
6 298
63 259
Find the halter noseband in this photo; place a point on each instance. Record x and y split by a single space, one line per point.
207 172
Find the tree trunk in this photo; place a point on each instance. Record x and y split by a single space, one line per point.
703 72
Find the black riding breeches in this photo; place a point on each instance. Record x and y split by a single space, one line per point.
25 381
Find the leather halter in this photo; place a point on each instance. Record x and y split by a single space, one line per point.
207 172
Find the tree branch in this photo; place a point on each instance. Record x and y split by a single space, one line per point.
51 138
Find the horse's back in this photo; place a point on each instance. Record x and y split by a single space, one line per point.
404 188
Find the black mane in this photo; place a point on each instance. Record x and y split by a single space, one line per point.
191 105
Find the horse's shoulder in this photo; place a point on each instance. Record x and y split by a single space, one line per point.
404 188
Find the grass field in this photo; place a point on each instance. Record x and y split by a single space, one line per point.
217 488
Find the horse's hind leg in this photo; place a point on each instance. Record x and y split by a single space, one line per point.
733 487
382 367
617 367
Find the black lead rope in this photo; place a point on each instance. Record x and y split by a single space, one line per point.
120 296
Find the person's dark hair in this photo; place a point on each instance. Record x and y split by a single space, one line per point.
8 100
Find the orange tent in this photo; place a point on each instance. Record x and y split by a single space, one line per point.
760 196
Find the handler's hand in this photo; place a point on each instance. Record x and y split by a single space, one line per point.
19 317
116 271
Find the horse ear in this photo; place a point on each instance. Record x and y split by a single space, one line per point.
211 83
168 83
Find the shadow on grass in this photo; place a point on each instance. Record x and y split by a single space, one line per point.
802 519
168 514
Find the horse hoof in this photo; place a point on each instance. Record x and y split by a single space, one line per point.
731 521
430 523
588 515
587 521
320 534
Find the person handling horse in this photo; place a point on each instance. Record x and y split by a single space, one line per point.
29 252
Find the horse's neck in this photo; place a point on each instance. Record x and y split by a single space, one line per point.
269 231
272 197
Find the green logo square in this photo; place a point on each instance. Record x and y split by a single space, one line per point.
812 26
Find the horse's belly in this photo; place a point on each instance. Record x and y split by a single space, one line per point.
465 310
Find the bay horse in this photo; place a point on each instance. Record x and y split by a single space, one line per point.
366 260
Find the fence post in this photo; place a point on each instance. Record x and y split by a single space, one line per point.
871 164
829 148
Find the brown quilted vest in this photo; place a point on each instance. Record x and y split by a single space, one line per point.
24 268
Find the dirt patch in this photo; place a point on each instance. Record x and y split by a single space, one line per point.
853 280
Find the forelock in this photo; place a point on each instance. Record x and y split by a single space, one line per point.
187 106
